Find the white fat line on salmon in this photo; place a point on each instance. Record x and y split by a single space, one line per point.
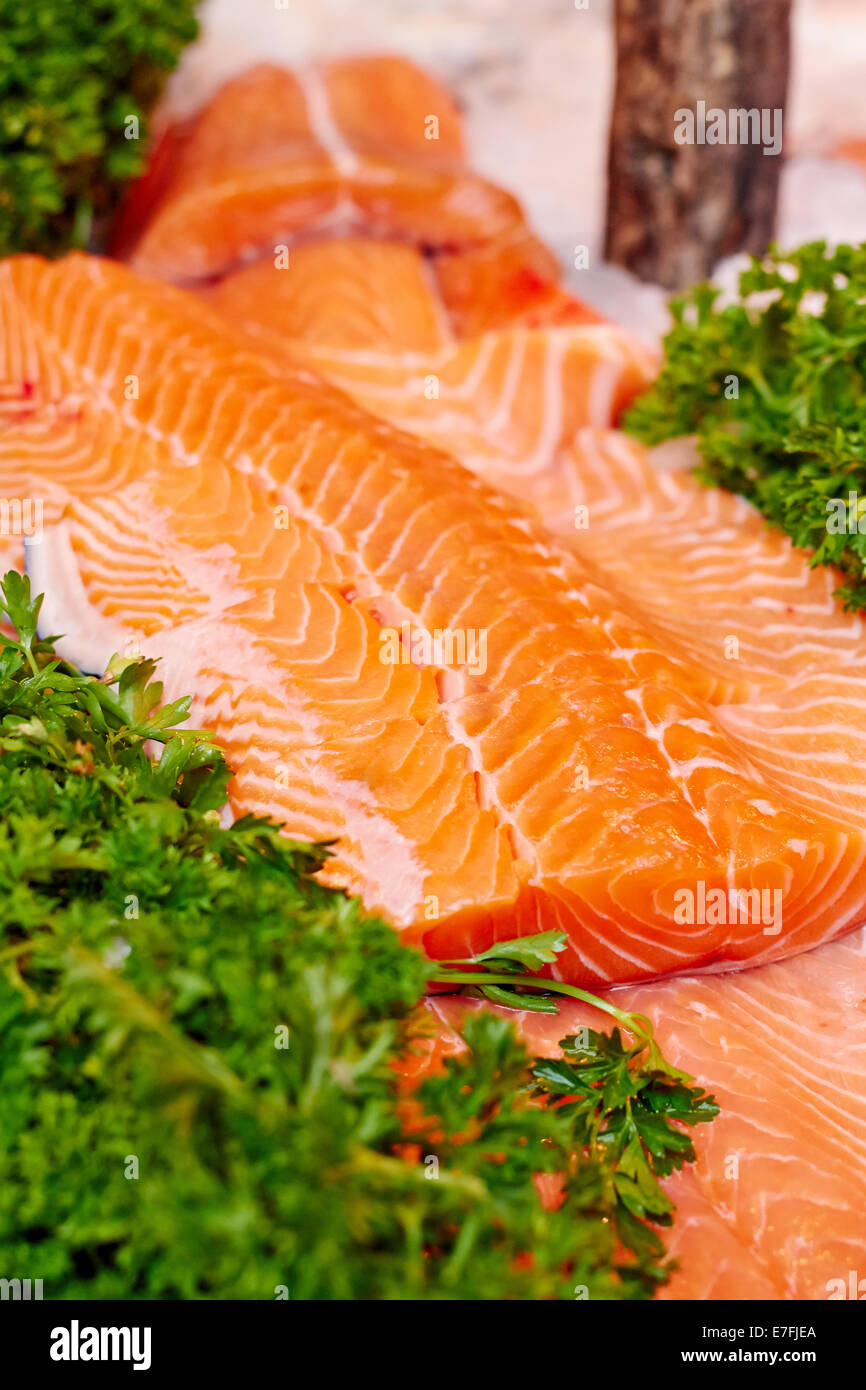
606 377
441 316
499 417
718 907
806 785
484 349
322 124
552 421
597 466
397 367
406 379
462 648
656 734
853 677
803 607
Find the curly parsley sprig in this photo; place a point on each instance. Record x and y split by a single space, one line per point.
774 387
77 82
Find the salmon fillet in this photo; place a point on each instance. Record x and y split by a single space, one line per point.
525 410
354 295
275 151
582 779
372 144
323 291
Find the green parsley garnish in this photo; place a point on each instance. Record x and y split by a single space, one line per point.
79 78
201 1050
774 387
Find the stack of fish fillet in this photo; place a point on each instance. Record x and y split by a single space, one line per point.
338 447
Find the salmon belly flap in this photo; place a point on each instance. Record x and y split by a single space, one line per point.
398 656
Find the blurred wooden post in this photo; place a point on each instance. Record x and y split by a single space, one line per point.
675 208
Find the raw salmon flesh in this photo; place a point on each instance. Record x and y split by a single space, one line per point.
338 446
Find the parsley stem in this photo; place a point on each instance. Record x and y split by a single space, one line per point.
635 1023
23 948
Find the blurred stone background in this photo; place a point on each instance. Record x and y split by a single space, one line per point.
535 80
